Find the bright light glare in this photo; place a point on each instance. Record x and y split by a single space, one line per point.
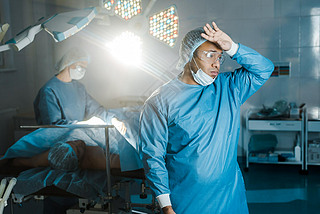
93 121
127 48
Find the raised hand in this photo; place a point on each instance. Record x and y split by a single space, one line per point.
217 36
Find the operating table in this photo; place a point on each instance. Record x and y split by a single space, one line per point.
117 175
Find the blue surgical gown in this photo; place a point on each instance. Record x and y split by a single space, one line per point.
65 103
189 136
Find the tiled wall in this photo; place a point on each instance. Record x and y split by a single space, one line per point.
282 30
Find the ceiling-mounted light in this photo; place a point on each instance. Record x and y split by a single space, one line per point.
59 26
127 9
108 4
164 25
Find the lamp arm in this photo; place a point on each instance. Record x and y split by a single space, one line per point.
148 8
28 38
3 30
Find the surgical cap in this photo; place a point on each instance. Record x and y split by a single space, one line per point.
62 156
191 41
72 56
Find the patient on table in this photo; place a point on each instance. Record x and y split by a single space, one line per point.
49 148
70 156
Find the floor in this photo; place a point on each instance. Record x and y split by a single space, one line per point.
279 189
271 189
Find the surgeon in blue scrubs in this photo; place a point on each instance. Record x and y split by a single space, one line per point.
64 100
189 127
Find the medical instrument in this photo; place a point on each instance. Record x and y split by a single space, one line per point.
59 26
4 198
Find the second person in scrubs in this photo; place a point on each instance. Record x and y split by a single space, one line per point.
64 100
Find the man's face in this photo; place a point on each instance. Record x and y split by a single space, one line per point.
207 58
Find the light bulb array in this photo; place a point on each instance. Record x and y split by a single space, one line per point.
108 4
127 9
164 26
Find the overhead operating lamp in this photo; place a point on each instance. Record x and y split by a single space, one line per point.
59 26
164 25
108 4
127 9
3 30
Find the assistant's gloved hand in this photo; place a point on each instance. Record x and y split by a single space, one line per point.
217 36
120 126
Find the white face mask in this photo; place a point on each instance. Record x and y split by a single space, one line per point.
77 73
201 77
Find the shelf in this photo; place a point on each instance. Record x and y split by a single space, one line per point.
279 124
303 125
274 125
283 163
313 126
313 164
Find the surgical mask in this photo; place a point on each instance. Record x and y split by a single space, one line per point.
77 73
201 77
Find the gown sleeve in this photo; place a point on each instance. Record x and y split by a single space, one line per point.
93 108
153 135
48 109
255 71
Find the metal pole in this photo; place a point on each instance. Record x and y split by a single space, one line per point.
109 196
305 146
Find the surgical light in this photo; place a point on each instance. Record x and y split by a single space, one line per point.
3 30
59 26
164 26
127 9
63 25
108 4
127 48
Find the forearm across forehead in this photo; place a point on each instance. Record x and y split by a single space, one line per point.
254 62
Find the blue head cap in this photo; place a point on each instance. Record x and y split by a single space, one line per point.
72 56
191 41
61 156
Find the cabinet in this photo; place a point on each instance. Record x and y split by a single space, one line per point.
255 123
312 125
